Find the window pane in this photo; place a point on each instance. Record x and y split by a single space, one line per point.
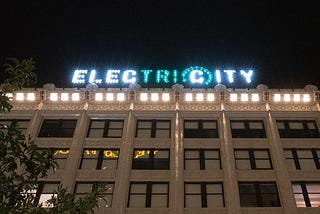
241 154
144 124
313 188
22 124
304 154
212 164
311 125
270 200
280 125
237 125
192 188
290 164
288 154
163 125
243 164
97 133
83 187
159 188
161 154
115 124
214 201
255 125
109 164
105 201
248 200
192 164
296 188
89 164
97 124
144 133
114 133
163 133
159 201
314 200
261 154
137 201
209 125
307 164
211 154
214 188
193 201
263 164
138 188
268 188
295 125
191 125
191 154
299 200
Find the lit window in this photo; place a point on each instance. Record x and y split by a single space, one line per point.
199 97
99 97
233 97
109 96
143 97
306 194
287 97
120 96
75 96
19 96
306 98
99 159
277 97
188 97
64 96
60 156
296 97
151 159
210 97
154 96
53 96
244 97
255 97
165 97
31 96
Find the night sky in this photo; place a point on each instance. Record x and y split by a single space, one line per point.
280 41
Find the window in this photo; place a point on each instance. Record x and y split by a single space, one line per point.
306 194
57 128
105 198
43 191
200 129
60 156
148 194
153 128
259 194
105 159
21 124
202 159
298 129
305 159
105 128
247 129
203 195
252 159
151 159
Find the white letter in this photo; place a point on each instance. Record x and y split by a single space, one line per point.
196 76
92 75
112 76
125 76
218 76
230 74
78 76
247 75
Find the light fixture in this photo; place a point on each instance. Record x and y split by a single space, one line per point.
255 97
75 96
296 97
306 98
31 96
154 96
188 97
53 96
109 96
165 97
277 97
199 97
19 96
210 97
120 96
64 96
143 96
233 97
98 97
286 97
244 97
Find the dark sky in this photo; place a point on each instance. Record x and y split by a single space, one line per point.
281 41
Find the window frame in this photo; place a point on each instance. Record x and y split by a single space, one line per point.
295 158
100 158
200 132
287 132
247 132
202 159
106 127
58 133
153 129
252 159
151 159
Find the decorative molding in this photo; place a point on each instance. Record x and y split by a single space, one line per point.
200 107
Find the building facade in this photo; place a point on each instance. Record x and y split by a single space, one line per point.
176 150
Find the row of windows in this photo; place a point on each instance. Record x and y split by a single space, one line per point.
194 159
196 194
162 128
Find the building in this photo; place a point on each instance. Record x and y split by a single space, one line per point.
177 150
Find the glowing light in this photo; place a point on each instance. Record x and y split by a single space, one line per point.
19 96
112 76
109 96
110 154
210 97
9 95
199 97
120 96
244 97
92 75
154 96
188 97
31 96
296 97
255 97
286 97
247 75
129 76
196 76
230 75
277 97
79 76
162 74
53 96
166 97
306 98
146 74
75 96
143 96
233 97
64 96
99 97
175 76
218 76
61 152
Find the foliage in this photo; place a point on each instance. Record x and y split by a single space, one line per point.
22 163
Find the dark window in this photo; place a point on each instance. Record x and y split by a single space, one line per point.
105 159
247 129
43 191
21 124
259 194
105 129
203 195
57 128
153 129
151 159
305 159
298 129
306 194
252 159
148 194
202 159
105 197
200 129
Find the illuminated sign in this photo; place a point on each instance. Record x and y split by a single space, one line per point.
192 76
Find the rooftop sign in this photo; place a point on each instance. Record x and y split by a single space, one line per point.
195 76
